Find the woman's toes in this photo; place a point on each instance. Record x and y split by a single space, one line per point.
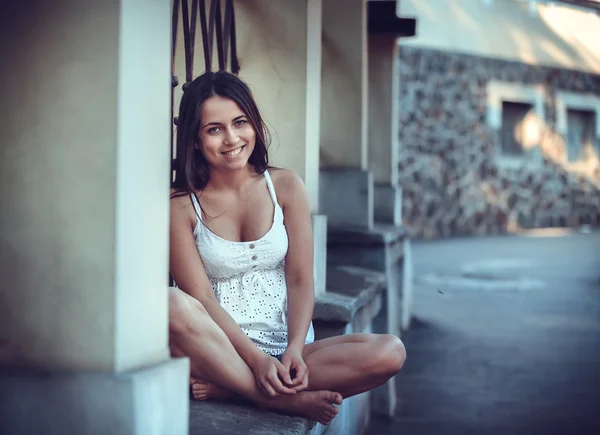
338 399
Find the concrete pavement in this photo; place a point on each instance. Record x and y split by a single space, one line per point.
505 339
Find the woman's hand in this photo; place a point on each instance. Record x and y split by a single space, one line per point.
294 364
269 373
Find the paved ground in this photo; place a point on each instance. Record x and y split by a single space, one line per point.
513 347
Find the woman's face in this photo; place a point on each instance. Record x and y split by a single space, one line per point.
226 135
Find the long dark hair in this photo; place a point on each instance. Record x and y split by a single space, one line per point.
192 169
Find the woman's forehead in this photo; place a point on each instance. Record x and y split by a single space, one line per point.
220 108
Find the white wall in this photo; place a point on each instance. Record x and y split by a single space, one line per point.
556 36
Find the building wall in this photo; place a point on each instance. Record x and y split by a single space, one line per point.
455 179
551 35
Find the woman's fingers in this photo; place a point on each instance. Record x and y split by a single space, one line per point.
301 383
284 373
277 385
268 390
301 374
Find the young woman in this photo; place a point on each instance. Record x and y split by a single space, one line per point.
242 258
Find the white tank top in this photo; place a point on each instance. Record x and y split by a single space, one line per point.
248 279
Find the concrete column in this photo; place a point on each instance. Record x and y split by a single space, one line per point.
383 127
84 165
344 111
346 184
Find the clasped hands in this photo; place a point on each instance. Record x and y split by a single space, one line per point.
275 378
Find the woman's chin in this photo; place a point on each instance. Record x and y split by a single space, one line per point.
234 165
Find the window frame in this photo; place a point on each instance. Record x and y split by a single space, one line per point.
565 101
534 95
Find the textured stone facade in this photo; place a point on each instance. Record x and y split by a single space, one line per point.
453 178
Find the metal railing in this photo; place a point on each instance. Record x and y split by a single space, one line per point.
218 23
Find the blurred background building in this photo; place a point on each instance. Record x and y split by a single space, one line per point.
500 116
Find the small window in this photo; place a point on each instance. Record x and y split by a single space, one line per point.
518 132
580 133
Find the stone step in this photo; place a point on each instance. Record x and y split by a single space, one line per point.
221 418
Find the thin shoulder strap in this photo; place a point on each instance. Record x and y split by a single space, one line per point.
271 187
196 205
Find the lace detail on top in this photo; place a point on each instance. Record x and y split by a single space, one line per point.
248 278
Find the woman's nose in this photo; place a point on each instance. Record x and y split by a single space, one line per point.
230 137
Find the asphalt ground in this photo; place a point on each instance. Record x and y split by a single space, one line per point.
505 338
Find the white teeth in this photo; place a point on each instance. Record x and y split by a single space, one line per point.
234 152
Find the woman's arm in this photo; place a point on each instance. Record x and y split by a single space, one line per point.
298 268
188 271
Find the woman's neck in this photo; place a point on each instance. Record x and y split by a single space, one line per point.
231 180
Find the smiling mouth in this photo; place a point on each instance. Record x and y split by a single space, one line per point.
233 152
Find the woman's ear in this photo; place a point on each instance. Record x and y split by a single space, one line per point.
197 145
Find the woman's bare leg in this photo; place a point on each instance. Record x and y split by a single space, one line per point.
194 334
354 363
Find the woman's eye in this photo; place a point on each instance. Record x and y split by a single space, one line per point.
240 122
213 130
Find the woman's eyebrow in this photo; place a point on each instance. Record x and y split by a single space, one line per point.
218 123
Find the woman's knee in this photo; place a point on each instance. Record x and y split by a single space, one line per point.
183 309
389 354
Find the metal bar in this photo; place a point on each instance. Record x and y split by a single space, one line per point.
235 65
219 26
227 29
211 26
186 40
174 32
193 31
205 46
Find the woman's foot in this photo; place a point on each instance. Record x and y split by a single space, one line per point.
202 390
321 406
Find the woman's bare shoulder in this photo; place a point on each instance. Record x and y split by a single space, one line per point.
285 178
288 184
181 206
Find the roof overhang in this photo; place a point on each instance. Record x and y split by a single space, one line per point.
382 19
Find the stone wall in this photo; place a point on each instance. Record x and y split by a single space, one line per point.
454 182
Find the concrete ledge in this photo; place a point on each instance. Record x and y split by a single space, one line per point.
348 290
378 234
228 418
149 401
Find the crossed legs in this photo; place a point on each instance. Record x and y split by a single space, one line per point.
337 366
354 363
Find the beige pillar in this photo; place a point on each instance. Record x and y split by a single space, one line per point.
344 111
383 126
346 184
84 166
